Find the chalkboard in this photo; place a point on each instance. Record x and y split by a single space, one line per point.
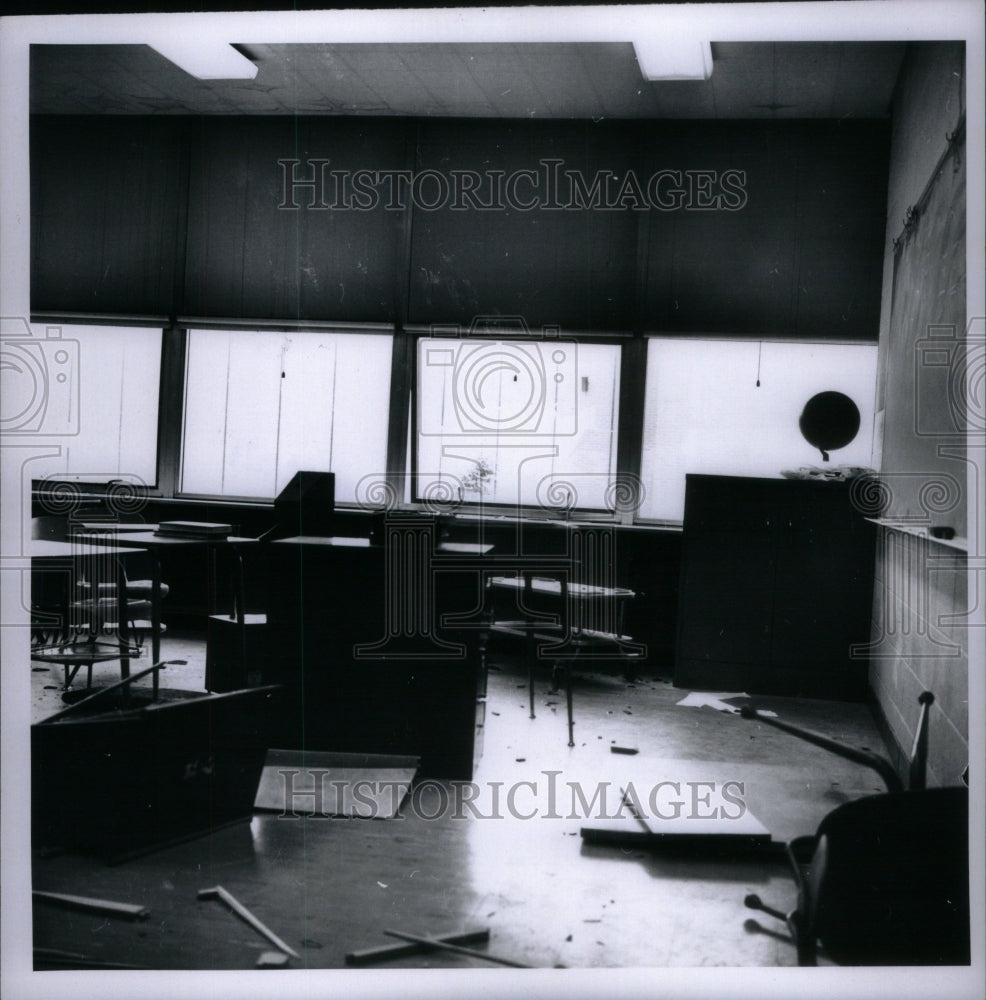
923 475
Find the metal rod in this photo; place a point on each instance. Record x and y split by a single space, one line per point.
455 949
881 765
218 892
112 687
917 772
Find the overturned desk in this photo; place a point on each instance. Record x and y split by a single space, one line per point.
358 640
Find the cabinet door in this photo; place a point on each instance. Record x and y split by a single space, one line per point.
726 595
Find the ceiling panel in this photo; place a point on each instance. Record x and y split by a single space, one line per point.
533 80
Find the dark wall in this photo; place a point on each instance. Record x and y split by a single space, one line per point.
800 259
105 214
250 254
759 228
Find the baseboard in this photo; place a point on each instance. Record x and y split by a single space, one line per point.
898 755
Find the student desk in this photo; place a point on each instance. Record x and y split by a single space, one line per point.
157 546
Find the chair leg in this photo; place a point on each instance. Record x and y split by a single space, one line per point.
568 700
804 941
531 656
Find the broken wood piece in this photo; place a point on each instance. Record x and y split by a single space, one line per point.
218 892
131 910
388 952
456 949
75 959
272 960
626 750
624 800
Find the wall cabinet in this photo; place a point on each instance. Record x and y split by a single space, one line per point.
776 588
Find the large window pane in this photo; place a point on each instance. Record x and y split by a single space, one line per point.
260 405
518 422
117 406
705 412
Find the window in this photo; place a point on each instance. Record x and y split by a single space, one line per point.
517 422
107 410
705 412
260 405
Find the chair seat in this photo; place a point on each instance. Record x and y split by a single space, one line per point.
79 652
135 588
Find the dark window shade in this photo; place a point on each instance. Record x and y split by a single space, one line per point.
568 267
802 258
249 257
104 214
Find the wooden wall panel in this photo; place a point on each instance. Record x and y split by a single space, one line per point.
104 213
574 268
248 256
800 258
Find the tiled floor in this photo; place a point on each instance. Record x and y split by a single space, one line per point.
329 886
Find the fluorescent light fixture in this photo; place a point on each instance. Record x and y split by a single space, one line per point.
674 58
207 59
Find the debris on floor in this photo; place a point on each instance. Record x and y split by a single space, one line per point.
719 700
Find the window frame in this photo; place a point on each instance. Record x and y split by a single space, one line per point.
651 334
66 320
187 324
628 424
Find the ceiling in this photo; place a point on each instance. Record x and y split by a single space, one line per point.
508 80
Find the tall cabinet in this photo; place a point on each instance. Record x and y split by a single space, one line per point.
776 588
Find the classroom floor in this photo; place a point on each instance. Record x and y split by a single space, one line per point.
330 886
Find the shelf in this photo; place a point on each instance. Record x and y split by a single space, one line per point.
959 542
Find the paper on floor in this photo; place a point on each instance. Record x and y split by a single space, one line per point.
718 701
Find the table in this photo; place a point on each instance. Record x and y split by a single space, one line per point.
156 544
80 559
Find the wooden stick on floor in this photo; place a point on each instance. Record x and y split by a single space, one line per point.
388 952
107 906
218 892
455 949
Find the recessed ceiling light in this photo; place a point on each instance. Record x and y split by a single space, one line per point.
674 59
206 59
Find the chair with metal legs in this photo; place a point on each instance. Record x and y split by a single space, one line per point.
588 626
884 880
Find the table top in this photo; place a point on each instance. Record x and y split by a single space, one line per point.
464 548
549 585
330 541
114 527
46 549
152 540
